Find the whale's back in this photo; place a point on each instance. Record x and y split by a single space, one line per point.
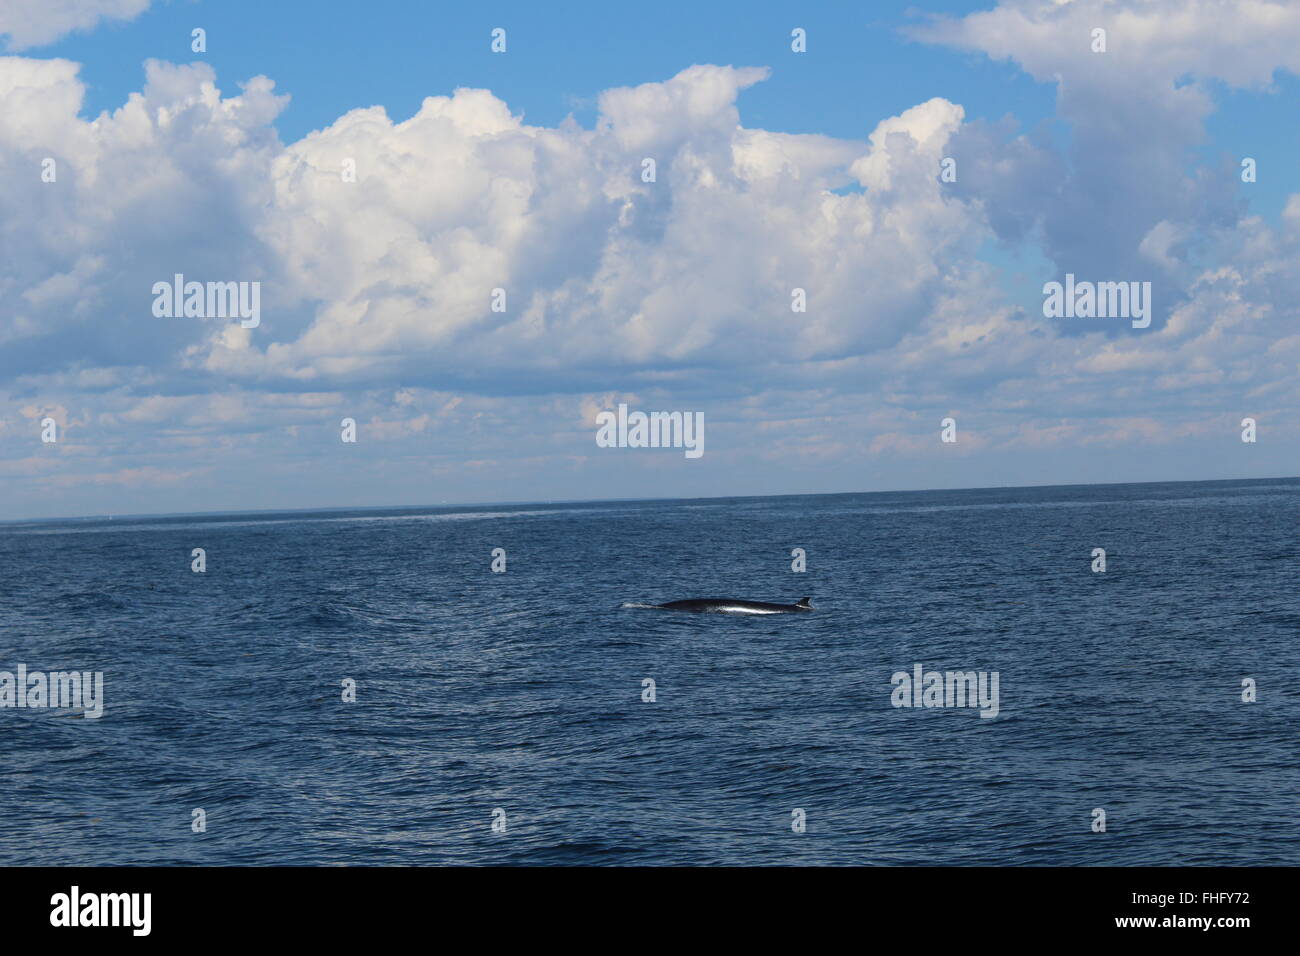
735 606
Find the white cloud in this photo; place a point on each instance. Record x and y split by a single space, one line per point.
28 23
1135 113
393 274
1239 41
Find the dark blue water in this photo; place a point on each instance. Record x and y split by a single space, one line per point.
523 690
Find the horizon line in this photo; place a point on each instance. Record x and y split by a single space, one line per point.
593 501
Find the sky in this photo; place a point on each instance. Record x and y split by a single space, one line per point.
128 157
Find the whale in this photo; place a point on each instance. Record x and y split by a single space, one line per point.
735 606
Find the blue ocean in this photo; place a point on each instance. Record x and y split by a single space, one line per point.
506 717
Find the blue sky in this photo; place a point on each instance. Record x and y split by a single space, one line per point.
777 170
396 53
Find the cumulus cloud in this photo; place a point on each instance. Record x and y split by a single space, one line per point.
1134 112
600 269
604 275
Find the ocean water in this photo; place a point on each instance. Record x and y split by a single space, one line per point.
523 690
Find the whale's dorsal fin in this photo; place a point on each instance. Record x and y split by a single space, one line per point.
804 602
